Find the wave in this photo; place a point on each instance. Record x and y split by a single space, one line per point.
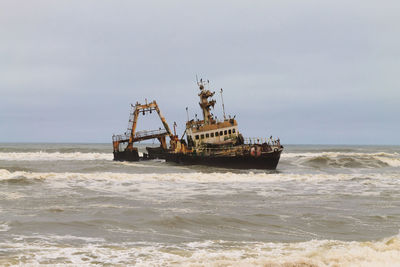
217 177
344 159
61 250
314 160
53 156
4 227
335 154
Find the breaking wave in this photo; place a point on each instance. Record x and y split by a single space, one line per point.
344 159
314 160
4 227
217 177
49 251
53 156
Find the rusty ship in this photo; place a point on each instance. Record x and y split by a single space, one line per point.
208 141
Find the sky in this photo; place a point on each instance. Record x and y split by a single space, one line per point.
308 72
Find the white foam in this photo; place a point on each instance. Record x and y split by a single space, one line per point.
337 154
384 252
394 162
46 156
51 238
10 195
4 227
200 177
140 164
162 188
341 159
391 159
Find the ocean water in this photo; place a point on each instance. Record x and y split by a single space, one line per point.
72 205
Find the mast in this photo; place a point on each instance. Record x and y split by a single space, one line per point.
223 106
205 104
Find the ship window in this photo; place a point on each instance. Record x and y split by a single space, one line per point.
225 132
216 133
207 135
221 133
230 131
197 137
212 134
202 136
233 130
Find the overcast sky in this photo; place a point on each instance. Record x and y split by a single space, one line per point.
310 72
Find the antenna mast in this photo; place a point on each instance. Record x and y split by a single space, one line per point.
223 106
175 128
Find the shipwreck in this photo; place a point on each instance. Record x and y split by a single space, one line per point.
208 141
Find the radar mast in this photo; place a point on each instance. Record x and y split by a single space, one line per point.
206 104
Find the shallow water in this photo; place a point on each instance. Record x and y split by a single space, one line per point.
70 204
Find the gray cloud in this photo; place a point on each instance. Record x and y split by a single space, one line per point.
308 71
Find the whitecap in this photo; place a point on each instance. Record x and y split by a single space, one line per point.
344 159
215 177
53 156
4 227
385 252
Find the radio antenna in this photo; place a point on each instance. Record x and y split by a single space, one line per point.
175 128
187 113
223 106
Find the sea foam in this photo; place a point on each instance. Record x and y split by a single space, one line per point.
214 177
321 159
344 159
385 252
53 156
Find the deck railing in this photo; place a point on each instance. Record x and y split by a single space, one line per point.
141 134
262 140
120 137
150 133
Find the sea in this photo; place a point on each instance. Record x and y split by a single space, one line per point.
72 205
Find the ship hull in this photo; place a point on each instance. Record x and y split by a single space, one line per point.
126 155
267 161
